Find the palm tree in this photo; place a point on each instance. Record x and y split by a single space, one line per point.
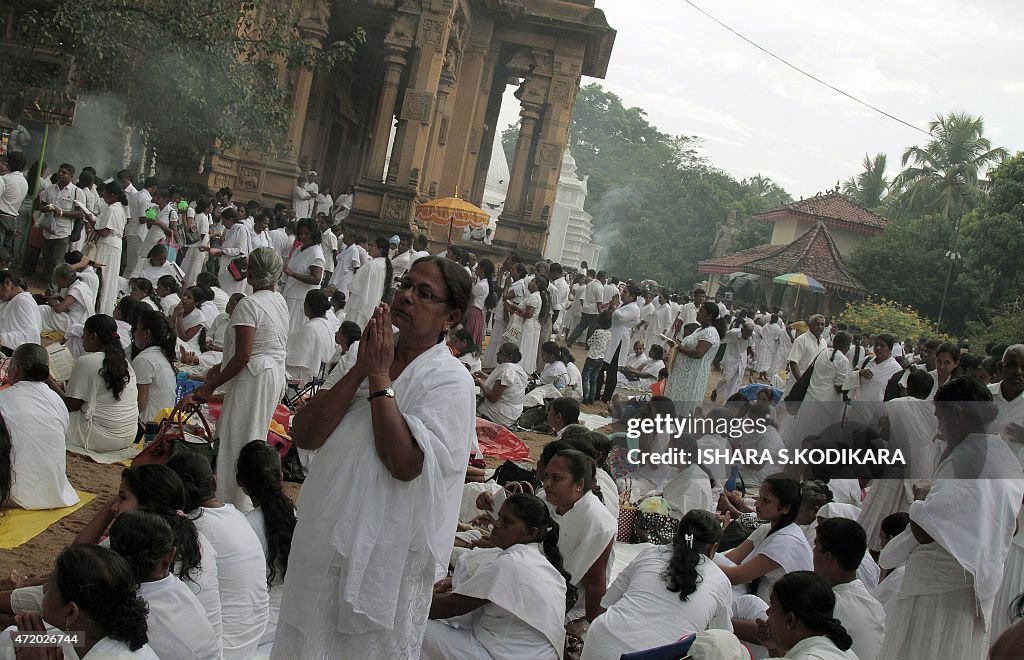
761 185
944 175
870 186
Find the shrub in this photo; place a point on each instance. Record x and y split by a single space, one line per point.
888 316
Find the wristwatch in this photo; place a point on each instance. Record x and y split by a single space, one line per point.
388 392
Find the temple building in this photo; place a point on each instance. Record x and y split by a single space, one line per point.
570 236
414 116
813 236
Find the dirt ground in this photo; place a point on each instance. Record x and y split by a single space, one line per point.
37 555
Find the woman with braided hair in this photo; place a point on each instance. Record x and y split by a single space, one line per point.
517 592
667 592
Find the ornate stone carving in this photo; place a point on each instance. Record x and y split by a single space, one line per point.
533 90
403 31
248 178
395 208
530 241
548 154
222 181
417 105
561 91
431 31
474 141
313 21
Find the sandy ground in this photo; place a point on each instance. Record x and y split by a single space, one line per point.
37 555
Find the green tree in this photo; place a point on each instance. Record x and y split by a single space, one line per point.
944 176
870 186
192 73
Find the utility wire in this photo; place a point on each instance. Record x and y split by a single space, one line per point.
809 75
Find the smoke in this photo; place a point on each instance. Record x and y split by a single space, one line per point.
614 204
96 138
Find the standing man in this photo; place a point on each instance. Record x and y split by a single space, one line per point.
624 319
402 261
13 190
135 230
348 262
593 296
805 348
559 296
57 201
302 201
688 312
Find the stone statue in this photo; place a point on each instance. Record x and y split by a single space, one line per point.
725 236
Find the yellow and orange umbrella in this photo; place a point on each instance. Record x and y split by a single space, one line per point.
453 212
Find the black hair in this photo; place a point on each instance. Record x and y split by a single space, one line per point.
970 391
886 339
567 407
115 371
318 302
384 245
163 335
157 249
696 533
808 597
67 166
952 349
16 161
512 351
787 490
207 279
551 449
196 476
6 466
551 348
710 308
350 330
486 266
143 539
656 352
146 287
200 294
258 471
159 489
919 383
845 540
841 339
544 313
457 283
129 308
895 524
604 320
168 282
338 298
101 583
314 229
602 445
466 337
581 466
115 190
535 514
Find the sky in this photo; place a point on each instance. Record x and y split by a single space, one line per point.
911 58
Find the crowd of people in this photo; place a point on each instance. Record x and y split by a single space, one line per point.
399 546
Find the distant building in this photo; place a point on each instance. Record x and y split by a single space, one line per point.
570 235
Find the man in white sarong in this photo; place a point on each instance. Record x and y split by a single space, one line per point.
37 421
348 262
739 345
960 535
839 548
784 344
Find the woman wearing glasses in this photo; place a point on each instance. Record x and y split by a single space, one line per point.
378 511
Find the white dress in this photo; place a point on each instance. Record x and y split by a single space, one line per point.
152 368
862 616
787 547
368 547
104 424
509 406
105 649
301 261
523 617
37 421
307 350
252 396
818 648
276 590
108 253
642 613
178 628
529 344
241 576
20 322
365 291
237 242
585 531
80 310
195 258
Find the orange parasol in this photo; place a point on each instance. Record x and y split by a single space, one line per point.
453 212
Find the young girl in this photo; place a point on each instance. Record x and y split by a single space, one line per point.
575 386
554 372
141 289
189 321
200 230
273 518
153 362
157 266
597 344
466 349
167 289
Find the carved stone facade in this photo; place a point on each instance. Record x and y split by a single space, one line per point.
422 100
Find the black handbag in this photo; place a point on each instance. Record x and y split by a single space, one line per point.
510 471
799 390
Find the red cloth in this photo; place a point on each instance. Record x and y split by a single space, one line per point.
496 441
475 324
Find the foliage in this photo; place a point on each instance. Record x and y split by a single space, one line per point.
870 186
944 175
191 72
876 316
508 142
1005 327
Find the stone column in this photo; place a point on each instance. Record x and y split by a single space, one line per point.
313 28
394 65
522 165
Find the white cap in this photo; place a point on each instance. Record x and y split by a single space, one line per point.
718 645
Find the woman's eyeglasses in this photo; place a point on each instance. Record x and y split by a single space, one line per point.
422 291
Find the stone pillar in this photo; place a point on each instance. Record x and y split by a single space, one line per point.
394 65
313 28
522 165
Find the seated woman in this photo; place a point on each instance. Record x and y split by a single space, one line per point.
142 290
464 348
574 387
801 621
177 625
642 370
347 341
554 373
504 389
91 590
102 394
634 364
20 321
773 549
156 266
169 292
273 518
313 345
221 322
37 422
75 306
241 564
153 363
587 528
514 593
189 321
667 592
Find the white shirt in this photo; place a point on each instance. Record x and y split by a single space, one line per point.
818 648
113 217
152 368
593 295
829 371
401 263
623 320
20 321
311 346
137 206
178 628
642 613
507 409
862 616
13 191
560 300
64 199
478 295
1009 412
805 348
37 421
329 244
687 314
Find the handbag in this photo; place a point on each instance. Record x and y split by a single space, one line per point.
656 528
180 433
799 390
514 331
238 268
511 471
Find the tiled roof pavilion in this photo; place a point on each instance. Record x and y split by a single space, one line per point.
837 211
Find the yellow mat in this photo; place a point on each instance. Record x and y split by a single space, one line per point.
18 526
